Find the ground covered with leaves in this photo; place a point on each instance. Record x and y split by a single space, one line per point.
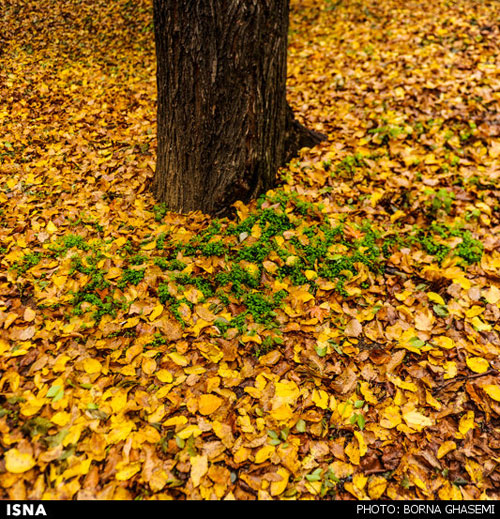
337 338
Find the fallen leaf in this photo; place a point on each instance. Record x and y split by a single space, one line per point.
18 462
199 467
353 328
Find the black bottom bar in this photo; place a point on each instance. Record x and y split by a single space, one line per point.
348 509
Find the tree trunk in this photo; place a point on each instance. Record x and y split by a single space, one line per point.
224 126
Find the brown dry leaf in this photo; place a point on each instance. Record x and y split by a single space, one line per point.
424 321
353 328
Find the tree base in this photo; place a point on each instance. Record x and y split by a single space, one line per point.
297 137
212 152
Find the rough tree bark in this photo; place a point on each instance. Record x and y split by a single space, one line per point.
224 125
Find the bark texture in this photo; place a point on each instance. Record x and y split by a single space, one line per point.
224 126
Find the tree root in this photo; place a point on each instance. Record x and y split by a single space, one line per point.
298 136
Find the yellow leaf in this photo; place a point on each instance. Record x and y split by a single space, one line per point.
450 492
241 455
18 462
301 295
149 246
198 370
148 365
286 392
403 384
264 453
417 420
113 273
376 197
158 480
4 347
178 359
359 481
92 366
474 469
367 393
79 468
281 413
463 282
31 406
435 298
345 410
157 311
320 398
432 401
466 423
208 404
314 487
341 469
451 369
477 364
493 391
250 338
59 281
157 415
13 379
68 328
73 435
443 342
200 325
164 376
210 351
150 434
353 452
224 432
391 417
131 323
474 310
430 158
120 242
60 363
361 441
120 432
175 420
127 471
199 467
401 296
190 430
445 448
376 487
278 487
479 325
119 401
418 478
61 418
11 183
397 215
256 231
51 228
